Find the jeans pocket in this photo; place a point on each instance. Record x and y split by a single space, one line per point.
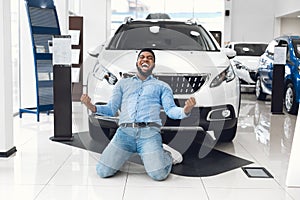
149 132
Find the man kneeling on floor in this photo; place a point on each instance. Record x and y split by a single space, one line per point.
140 99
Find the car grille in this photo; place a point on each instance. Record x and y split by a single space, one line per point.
183 83
253 76
179 83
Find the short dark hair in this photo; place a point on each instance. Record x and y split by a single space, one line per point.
147 50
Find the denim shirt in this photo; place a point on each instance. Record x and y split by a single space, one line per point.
141 101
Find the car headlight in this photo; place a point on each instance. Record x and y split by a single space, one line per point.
226 75
100 73
262 63
239 65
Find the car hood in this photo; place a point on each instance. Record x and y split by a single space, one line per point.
250 61
167 61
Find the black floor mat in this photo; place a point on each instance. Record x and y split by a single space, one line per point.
193 165
215 162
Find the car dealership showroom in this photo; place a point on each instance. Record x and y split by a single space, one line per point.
85 117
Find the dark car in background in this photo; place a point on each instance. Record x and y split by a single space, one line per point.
292 72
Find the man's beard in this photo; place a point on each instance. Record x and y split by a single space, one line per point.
145 74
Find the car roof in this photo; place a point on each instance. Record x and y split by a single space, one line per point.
158 16
247 43
130 20
288 37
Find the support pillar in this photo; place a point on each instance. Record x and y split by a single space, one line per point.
7 147
292 177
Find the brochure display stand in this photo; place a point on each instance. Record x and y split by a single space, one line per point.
43 24
62 59
278 80
76 32
62 103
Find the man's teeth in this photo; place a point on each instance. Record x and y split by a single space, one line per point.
145 65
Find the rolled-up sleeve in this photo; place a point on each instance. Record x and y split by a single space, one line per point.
114 103
169 105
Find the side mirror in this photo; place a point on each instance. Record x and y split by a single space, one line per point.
290 62
230 53
95 51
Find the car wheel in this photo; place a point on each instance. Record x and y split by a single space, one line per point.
228 135
260 95
290 103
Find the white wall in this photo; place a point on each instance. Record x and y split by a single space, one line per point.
287 25
6 103
62 7
27 76
252 20
290 26
260 21
96 28
286 7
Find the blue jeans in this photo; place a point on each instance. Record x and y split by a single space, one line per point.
146 142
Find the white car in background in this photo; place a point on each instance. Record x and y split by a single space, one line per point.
187 58
246 60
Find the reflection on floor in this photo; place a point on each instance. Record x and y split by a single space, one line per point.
43 169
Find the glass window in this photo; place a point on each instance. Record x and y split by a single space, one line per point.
296 44
166 36
246 49
210 14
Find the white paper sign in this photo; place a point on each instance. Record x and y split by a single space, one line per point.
50 45
280 55
75 74
75 56
75 36
61 50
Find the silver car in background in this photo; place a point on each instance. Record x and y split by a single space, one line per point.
246 60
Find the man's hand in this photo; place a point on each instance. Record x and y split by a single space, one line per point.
86 100
189 104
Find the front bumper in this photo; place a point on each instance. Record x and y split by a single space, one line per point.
215 118
246 77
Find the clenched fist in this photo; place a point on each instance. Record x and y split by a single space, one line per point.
86 100
189 104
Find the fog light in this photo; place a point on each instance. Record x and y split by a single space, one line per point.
226 113
219 114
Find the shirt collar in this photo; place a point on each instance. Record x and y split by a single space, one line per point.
148 78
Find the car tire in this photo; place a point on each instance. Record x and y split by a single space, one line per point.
228 135
260 95
290 104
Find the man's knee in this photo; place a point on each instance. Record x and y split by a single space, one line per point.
104 171
161 174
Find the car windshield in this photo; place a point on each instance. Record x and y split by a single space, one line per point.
246 49
296 44
163 36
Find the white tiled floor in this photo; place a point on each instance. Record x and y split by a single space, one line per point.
43 170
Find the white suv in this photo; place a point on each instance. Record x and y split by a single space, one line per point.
187 58
246 61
